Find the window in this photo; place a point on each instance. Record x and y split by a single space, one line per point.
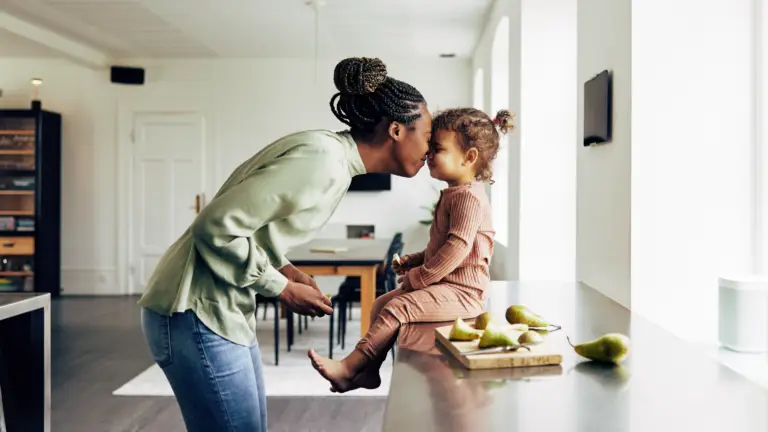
500 100
478 90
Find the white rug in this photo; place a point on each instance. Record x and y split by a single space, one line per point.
293 377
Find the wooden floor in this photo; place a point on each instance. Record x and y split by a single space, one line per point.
97 346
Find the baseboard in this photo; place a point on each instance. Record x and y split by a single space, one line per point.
89 281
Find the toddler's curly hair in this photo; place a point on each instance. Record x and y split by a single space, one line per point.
476 130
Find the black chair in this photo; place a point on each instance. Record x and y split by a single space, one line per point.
353 282
349 292
266 301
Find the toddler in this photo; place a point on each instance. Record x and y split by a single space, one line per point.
449 278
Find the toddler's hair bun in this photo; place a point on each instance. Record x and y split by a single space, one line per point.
504 121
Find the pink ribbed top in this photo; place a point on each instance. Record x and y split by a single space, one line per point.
460 241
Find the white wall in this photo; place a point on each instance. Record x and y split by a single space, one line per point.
246 104
692 158
603 172
547 147
761 142
482 58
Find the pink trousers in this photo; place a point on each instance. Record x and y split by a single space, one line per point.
435 303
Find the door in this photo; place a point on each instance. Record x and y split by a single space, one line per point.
168 183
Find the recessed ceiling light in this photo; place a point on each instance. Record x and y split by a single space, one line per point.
447 55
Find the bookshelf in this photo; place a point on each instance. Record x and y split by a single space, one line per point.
30 200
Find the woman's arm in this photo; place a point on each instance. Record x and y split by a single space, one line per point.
223 231
465 215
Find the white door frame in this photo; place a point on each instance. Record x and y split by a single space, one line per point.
125 167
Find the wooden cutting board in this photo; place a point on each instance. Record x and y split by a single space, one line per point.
539 355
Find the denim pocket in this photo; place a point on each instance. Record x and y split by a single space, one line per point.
157 331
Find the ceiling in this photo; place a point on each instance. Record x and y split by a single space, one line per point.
258 28
12 45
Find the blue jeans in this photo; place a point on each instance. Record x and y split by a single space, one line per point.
219 385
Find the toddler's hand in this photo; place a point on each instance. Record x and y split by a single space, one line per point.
405 283
400 264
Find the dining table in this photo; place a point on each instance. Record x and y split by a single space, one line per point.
345 257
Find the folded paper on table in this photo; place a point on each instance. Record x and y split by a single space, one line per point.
329 249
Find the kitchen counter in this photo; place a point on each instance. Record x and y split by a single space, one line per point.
25 361
665 384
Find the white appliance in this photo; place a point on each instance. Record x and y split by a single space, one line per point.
744 313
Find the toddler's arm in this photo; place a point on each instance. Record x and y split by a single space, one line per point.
415 259
465 218
408 262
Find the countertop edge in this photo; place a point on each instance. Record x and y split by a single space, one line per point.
24 306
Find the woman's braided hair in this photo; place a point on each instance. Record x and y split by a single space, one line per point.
475 129
367 95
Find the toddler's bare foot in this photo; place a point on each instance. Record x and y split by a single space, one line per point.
367 379
334 371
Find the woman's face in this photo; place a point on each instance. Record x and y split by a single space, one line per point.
412 144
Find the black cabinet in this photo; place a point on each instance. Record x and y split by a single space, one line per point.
30 201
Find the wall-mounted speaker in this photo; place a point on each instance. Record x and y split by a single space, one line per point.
127 75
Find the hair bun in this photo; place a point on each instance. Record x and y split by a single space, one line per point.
504 120
359 75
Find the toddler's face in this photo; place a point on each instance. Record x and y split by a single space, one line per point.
446 160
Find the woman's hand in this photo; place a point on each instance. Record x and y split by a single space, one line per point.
305 300
299 300
296 275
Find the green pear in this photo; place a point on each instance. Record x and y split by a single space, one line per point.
519 314
482 320
494 337
609 348
461 331
530 338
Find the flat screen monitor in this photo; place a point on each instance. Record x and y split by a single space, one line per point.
371 182
598 109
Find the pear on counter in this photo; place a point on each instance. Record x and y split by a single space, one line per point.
495 337
530 338
609 348
482 320
520 314
461 331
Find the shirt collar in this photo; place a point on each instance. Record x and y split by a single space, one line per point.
354 161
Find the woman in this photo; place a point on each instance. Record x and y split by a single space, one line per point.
198 309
